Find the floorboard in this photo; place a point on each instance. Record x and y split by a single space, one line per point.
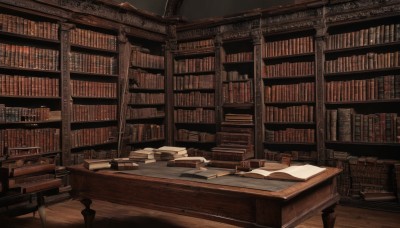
109 215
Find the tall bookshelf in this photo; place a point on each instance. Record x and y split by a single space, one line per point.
30 82
237 99
194 86
289 96
94 81
145 95
362 100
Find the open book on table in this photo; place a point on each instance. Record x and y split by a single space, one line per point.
295 173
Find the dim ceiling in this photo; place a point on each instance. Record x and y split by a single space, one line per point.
200 9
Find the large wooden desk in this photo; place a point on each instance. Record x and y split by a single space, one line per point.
234 205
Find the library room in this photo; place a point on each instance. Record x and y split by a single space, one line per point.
188 113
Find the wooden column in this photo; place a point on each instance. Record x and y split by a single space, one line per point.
124 51
170 47
320 91
218 82
65 88
258 93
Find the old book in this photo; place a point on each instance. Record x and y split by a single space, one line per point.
30 169
40 185
206 173
293 173
94 164
123 164
378 195
344 124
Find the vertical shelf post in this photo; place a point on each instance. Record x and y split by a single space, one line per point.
170 46
66 99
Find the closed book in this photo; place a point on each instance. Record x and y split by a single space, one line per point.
30 169
344 124
40 185
94 164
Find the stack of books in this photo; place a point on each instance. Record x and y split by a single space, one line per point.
145 155
166 153
192 162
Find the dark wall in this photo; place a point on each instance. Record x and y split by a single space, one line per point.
200 9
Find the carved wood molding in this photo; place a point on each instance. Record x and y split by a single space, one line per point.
361 9
198 33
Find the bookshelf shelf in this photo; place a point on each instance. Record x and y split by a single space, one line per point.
30 97
194 52
363 144
149 90
192 123
290 123
195 73
93 145
290 103
238 105
92 121
301 77
30 122
27 156
290 143
29 69
237 63
192 141
145 68
191 107
80 73
199 89
27 37
103 98
147 118
382 101
147 141
282 57
361 48
87 48
131 104
233 81
361 73
237 124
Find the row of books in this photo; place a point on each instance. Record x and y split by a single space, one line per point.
290 135
369 36
144 80
18 85
238 118
93 136
198 115
144 132
89 63
295 155
378 88
233 75
346 126
47 139
29 57
147 98
24 26
93 89
137 113
242 138
298 113
194 99
239 57
189 45
293 46
289 69
79 157
194 82
304 91
139 58
93 112
238 92
25 114
194 136
94 39
194 65
368 61
232 152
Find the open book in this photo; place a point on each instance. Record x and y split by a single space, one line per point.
295 173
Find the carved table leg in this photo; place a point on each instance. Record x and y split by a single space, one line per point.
329 217
88 214
41 210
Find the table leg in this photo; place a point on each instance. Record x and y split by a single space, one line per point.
329 216
41 210
88 214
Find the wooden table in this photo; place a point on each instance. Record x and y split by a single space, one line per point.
229 204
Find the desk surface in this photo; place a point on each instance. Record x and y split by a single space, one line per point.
231 204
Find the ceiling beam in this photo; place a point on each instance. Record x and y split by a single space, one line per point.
172 7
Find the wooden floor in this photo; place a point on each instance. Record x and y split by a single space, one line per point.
109 215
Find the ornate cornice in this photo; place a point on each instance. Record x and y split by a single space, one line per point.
361 9
198 33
